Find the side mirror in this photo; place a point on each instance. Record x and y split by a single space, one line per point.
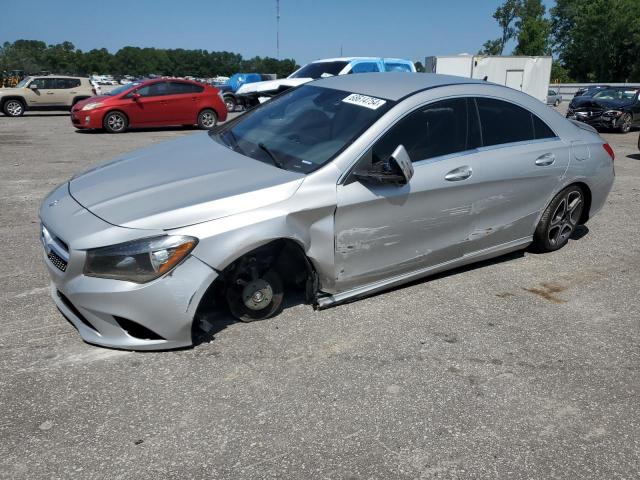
398 170
33 86
136 96
400 159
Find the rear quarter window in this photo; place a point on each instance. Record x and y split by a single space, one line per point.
503 122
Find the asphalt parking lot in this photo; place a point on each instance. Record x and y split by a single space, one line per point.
523 367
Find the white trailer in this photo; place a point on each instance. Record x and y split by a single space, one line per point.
528 74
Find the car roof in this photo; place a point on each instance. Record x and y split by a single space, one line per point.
53 75
353 59
392 85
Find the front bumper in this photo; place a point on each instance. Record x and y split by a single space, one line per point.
599 121
157 315
111 313
91 119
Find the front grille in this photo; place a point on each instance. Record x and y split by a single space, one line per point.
58 262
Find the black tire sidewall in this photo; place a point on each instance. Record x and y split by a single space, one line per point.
105 122
541 241
233 103
7 102
622 127
215 115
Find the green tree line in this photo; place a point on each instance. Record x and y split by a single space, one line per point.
35 56
591 40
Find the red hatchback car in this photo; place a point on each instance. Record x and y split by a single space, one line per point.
151 103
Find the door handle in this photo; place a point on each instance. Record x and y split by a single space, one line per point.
546 160
460 173
50 93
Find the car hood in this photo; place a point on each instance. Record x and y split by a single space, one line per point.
598 104
179 183
95 98
272 85
10 90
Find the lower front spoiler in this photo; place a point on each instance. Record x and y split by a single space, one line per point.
601 122
154 316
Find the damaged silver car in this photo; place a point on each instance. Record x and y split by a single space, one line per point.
338 189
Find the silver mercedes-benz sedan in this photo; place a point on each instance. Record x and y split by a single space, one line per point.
338 189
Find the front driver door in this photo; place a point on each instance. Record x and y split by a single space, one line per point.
382 230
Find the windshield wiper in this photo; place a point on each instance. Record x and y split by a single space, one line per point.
275 160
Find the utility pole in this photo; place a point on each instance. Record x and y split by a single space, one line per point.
278 29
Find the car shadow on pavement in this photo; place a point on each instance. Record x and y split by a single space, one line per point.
40 114
213 319
185 128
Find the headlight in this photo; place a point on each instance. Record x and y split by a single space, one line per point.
139 261
91 106
612 113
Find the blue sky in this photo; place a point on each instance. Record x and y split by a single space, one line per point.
308 29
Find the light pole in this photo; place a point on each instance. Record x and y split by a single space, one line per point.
278 29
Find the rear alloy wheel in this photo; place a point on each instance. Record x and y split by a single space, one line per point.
115 122
257 298
559 220
13 108
557 102
207 119
230 102
625 123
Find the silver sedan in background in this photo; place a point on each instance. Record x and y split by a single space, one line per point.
554 98
338 189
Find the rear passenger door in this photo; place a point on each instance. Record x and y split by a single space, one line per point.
514 174
182 102
68 89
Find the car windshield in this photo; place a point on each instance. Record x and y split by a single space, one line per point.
302 129
122 89
320 70
616 94
23 82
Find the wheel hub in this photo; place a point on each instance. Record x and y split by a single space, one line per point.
257 294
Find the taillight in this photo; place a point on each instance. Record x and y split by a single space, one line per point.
609 150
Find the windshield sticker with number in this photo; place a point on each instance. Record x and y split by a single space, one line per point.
364 101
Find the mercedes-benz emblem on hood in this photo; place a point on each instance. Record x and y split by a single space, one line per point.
54 203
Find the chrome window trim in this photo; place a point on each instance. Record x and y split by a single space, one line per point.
342 179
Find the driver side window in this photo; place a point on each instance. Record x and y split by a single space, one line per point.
440 128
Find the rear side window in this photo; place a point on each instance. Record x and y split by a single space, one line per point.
397 67
66 83
180 87
441 128
365 67
503 122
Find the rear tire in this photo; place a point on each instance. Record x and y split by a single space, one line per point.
207 119
230 102
559 220
115 122
13 108
557 102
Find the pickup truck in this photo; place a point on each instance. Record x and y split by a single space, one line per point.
252 94
229 88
